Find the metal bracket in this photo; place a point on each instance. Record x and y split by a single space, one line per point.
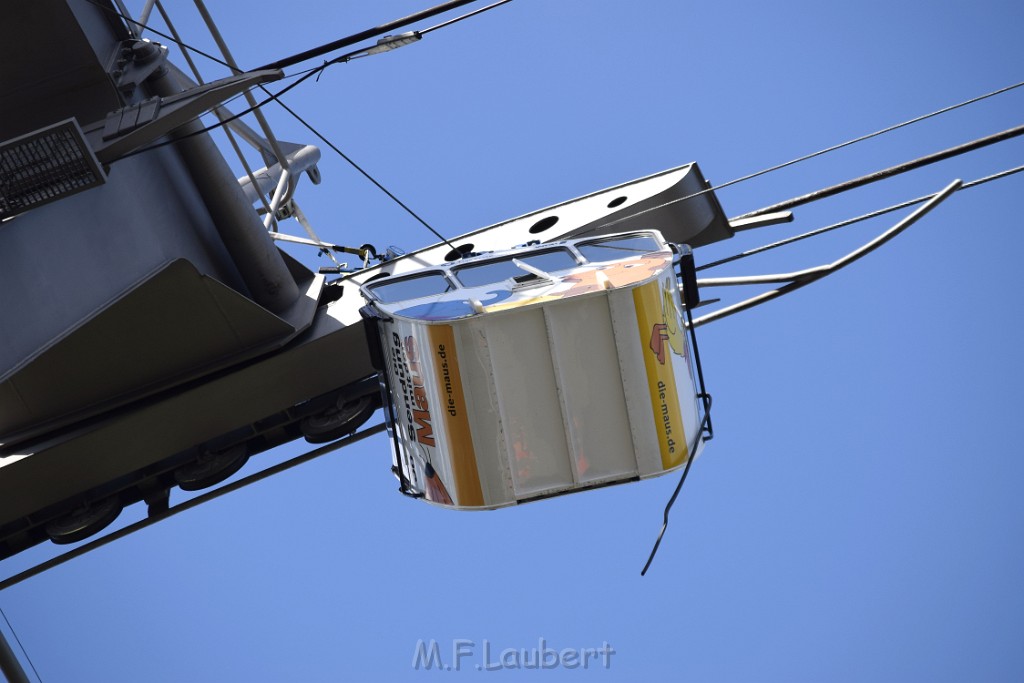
126 120
133 62
361 252
761 221
795 280
129 128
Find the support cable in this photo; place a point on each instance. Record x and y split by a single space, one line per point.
146 27
817 154
851 221
460 18
872 135
274 97
17 674
370 33
315 52
364 35
225 52
369 177
188 504
889 172
255 106
217 111
309 54
801 278
228 119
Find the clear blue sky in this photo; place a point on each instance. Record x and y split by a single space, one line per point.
858 516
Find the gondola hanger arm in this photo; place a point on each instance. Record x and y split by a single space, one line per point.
797 279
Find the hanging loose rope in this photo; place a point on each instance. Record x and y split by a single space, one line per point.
675 493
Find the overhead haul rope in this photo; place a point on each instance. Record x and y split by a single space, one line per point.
851 221
915 164
227 130
22 647
147 27
223 122
817 154
862 138
451 5
316 71
323 49
191 503
369 177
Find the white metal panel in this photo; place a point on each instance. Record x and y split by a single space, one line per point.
485 420
593 403
531 415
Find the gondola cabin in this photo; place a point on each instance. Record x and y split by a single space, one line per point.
538 371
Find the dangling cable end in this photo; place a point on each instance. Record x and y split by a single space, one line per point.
654 550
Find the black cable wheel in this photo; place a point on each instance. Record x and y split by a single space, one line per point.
337 422
84 521
211 468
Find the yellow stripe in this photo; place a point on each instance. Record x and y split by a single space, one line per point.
661 378
453 409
